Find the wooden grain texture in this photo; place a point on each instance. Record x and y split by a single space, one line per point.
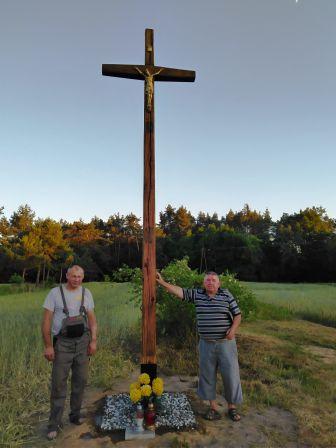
130 71
149 242
152 73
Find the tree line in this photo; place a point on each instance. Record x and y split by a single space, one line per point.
298 247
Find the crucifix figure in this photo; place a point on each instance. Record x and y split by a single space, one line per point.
149 73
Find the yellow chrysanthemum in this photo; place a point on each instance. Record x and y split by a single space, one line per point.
144 378
135 395
146 390
135 386
158 380
157 386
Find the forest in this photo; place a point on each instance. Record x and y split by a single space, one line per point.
299 247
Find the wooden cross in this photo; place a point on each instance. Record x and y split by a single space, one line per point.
149 73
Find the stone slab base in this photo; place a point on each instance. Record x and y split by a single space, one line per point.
131 434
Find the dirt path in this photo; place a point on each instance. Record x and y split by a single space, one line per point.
269 428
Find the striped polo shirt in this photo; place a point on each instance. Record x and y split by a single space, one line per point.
214 314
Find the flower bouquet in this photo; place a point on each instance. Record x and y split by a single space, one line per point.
143 392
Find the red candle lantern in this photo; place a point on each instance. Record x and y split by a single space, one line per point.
150 416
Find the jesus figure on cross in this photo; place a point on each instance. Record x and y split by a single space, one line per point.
149 73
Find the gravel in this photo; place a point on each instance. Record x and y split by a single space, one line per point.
175 412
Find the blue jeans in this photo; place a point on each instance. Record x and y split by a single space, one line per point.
220 355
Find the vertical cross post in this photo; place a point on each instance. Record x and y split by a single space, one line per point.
148 73
148 359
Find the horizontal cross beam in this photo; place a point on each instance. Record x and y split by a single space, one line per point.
132 72
149 73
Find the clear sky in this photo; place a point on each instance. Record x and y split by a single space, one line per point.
256 127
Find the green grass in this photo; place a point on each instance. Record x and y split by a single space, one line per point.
13 288
25 374
277 365
314 302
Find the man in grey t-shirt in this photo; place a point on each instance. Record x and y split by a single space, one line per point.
54 303
68 352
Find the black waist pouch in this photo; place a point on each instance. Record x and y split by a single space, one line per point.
73 327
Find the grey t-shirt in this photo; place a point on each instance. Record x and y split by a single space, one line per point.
53 302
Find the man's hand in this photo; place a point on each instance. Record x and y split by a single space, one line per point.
230 334
159 278
92 348
172 289
49 353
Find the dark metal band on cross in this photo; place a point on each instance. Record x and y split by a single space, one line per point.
149 73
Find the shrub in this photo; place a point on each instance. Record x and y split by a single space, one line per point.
16 279
245 297
178 319
125 274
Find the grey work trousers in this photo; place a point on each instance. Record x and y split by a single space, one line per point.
70 353
220 355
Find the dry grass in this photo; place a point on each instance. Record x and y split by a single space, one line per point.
278 370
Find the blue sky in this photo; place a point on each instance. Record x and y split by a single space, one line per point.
257 126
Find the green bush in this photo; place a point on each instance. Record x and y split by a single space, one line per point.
244 296
125 274
175 318
16 279
178 319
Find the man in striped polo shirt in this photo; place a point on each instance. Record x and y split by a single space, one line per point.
218 317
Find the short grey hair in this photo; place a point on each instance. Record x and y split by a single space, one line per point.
75 267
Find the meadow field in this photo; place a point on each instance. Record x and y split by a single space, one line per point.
314 302
285 363
24 373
